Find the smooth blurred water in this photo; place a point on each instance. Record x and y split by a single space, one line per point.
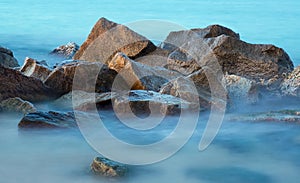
241 152
33 28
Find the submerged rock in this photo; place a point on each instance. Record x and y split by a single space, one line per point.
34 68
7 58
49 119
14 84
140 76
67 51
17 105
108 38
292 116
108 168
291 85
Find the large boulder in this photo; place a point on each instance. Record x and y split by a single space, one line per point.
14 84
7 58
17 105
34 68
90 77
176 39
66 51
253 61
138 75
49 119
108 168
108 38
291 85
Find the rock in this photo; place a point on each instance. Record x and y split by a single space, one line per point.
196 88
291 85
177 38
17 105
14 84
108 38
108 168
140 76
34 68
253 61
90 77
241 91
7 58
272 116
49 119
67 51
141 102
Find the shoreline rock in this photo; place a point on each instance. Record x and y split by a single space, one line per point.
66 51
17 105
108 168
7 58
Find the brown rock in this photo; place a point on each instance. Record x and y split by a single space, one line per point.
7 58
15 84
178 38
291 85
35 69
108 168
140 76
108 38
90 77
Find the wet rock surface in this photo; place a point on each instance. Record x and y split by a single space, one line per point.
49 119
108 38
291 85
7 58
108 168
17 105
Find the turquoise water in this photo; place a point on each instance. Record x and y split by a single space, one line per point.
33 28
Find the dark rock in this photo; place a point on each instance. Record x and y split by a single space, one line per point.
17 105
49 119
108 168
14 84
34 68
140 76
108 38
291 85
67 51
7 58
90 77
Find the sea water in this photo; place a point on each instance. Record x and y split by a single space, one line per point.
241 152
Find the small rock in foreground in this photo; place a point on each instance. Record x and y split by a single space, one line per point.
108 168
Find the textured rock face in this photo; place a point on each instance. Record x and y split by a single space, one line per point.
17 105
291 85
240 90
34 68
90 77
140 76
108 168
253 61
178 38
66 51
49 119
15 84
7 58
108 38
